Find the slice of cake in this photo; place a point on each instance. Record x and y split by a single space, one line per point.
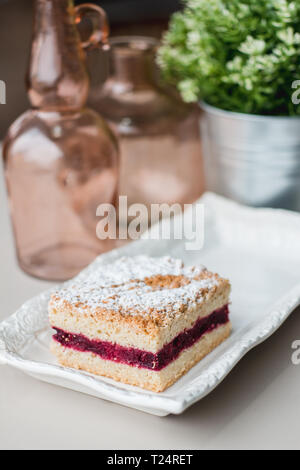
142 321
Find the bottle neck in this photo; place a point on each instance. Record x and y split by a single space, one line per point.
57 78
132 62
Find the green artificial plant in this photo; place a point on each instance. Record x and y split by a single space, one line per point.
238 55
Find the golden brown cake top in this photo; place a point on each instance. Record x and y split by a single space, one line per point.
157 289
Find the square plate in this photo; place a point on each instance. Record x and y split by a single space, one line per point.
257 249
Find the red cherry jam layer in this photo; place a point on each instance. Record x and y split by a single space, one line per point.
143 359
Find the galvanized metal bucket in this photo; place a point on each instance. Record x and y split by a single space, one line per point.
252 159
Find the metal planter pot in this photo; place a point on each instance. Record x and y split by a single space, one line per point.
252 159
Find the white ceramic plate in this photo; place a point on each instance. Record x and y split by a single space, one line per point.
257 249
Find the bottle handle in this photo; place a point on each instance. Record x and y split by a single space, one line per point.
96 18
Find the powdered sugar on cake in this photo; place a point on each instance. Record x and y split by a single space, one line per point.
140 286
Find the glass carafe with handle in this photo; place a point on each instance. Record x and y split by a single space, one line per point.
61 159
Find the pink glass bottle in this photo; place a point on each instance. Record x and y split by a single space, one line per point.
61 159
161 160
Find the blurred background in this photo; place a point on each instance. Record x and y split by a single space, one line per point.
146 17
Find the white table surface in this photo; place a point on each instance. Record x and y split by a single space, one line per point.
256 407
